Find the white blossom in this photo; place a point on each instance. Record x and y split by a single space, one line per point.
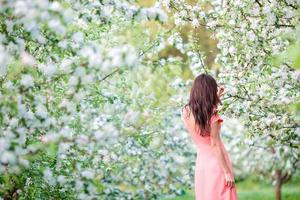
27 80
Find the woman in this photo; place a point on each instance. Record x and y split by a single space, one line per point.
214 178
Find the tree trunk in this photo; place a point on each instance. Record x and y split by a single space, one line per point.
278 185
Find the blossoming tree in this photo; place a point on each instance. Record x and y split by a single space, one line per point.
74 103
249 34
87 101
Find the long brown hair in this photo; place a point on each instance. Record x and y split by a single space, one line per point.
203 99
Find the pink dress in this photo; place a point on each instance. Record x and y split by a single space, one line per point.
209 176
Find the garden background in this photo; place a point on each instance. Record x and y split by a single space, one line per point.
91 94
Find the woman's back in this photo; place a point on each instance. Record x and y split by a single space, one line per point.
189 122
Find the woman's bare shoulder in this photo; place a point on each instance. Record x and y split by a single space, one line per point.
185 110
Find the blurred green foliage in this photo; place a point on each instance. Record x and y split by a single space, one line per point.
252 189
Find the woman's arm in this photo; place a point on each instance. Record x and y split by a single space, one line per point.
221 90
216 144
